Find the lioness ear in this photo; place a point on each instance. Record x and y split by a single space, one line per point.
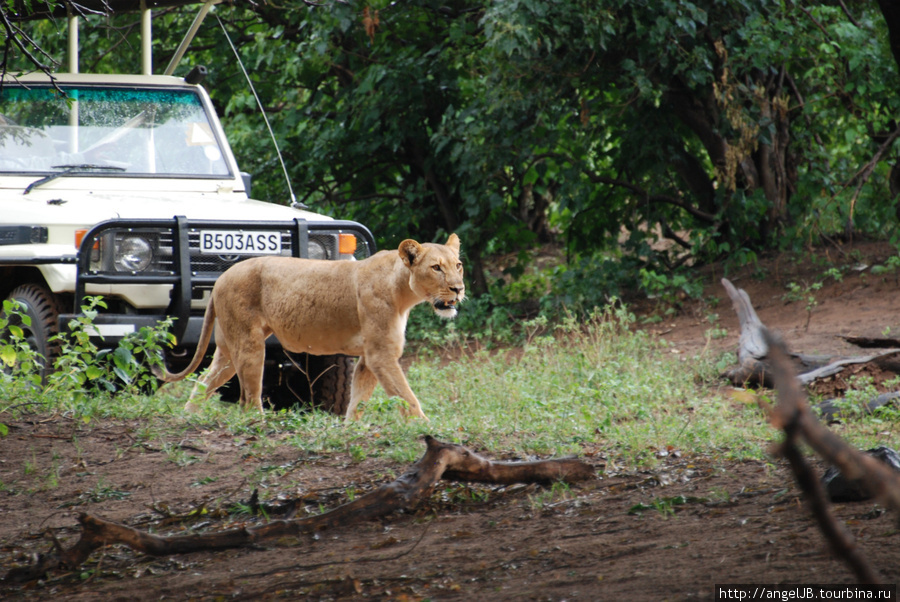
453 243
409 251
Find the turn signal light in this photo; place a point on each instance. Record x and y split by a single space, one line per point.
79 237
347 244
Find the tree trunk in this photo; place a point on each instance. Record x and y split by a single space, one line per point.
891 11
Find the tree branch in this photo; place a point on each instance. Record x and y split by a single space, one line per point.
13 35
441 460
655 198
794 417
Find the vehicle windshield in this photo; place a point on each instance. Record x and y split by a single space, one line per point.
154 132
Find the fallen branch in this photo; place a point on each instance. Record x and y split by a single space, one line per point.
872 342
879 359
441 460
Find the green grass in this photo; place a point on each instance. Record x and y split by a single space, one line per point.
598 387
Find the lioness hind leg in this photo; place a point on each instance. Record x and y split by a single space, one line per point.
220 371
361 387
249 362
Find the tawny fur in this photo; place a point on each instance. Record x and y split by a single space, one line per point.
356 308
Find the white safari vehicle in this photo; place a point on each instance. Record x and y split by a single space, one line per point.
125 186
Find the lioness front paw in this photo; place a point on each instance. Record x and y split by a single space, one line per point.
416 414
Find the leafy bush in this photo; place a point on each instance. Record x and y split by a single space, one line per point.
669 291
589 282
82 368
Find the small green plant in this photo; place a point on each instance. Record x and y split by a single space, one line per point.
51 476
20 365
179 456
534 327
720 495
385 405
204 481
716 331
357 453
557 492
834 273
30 466
464 494
666 506
241 509
890 266
102 492
351 493
855 402
806 294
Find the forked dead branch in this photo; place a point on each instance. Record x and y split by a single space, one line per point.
765 355
440 461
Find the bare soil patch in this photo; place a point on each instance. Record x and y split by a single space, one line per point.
670 533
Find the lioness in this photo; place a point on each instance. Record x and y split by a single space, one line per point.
324 308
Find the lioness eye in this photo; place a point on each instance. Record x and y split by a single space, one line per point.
458 266
436 268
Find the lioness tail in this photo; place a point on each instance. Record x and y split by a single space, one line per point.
209 318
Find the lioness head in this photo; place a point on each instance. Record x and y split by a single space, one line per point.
436 273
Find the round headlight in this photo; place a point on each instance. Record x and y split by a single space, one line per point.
133 254
317 250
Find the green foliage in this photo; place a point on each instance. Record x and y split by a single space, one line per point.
516 122
890 266
83 369
590 281
558 492
18 360
669 291
481 320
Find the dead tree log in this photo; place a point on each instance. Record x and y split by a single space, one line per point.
441 461
794 416
754 362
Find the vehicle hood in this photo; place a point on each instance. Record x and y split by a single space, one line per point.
88 208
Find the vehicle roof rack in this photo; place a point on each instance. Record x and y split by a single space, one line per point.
72 10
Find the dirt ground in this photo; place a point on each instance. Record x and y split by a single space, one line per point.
672 533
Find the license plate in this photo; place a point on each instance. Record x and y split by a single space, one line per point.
233 242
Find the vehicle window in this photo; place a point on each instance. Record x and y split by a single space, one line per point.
150 132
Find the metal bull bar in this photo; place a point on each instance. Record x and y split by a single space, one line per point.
178 270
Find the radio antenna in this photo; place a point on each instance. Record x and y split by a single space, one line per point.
287 179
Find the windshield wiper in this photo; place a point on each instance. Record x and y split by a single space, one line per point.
67 169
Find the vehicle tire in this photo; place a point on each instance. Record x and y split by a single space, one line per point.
43 307
286 383
331 387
